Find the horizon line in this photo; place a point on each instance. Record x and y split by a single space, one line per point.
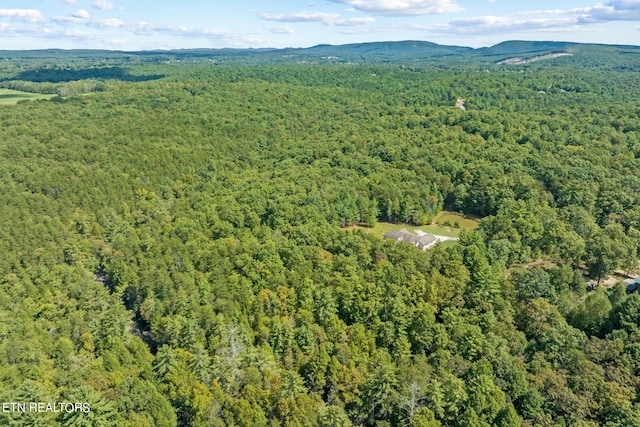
322 45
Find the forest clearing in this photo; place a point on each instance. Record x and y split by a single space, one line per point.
12 97
445 223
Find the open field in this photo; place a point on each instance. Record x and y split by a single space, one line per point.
11 97
465 223
436 227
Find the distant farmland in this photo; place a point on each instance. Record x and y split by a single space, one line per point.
11 97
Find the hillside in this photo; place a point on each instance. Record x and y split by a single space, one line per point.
376 52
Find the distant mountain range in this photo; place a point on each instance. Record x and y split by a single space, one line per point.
507 53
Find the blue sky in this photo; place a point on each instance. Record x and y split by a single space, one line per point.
164 24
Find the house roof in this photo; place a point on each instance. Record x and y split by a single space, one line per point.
428 239
406 236
395 234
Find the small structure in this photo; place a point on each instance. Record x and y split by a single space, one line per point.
424 241
632 284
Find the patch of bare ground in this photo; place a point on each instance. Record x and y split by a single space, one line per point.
520 61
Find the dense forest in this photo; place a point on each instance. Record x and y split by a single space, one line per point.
175 252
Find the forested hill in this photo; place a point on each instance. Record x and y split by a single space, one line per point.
191 244
375 52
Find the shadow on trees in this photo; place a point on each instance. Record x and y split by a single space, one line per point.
59 75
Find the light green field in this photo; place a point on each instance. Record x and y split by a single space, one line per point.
435 228
465 223
11 97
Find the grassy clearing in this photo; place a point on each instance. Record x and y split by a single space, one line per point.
466 223
11 97
436 227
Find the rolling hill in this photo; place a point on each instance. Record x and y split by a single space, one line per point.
408 51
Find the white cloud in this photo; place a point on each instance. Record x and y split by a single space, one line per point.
26 15
73 35
107 23
197 32
556 20
71 1
550 12
140 28
81 14
8 30
403 7
614 10
300 16
280 29
80 26
330 19
61 20
104 5
85 19
494 24
351 22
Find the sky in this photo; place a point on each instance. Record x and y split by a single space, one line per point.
171 24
